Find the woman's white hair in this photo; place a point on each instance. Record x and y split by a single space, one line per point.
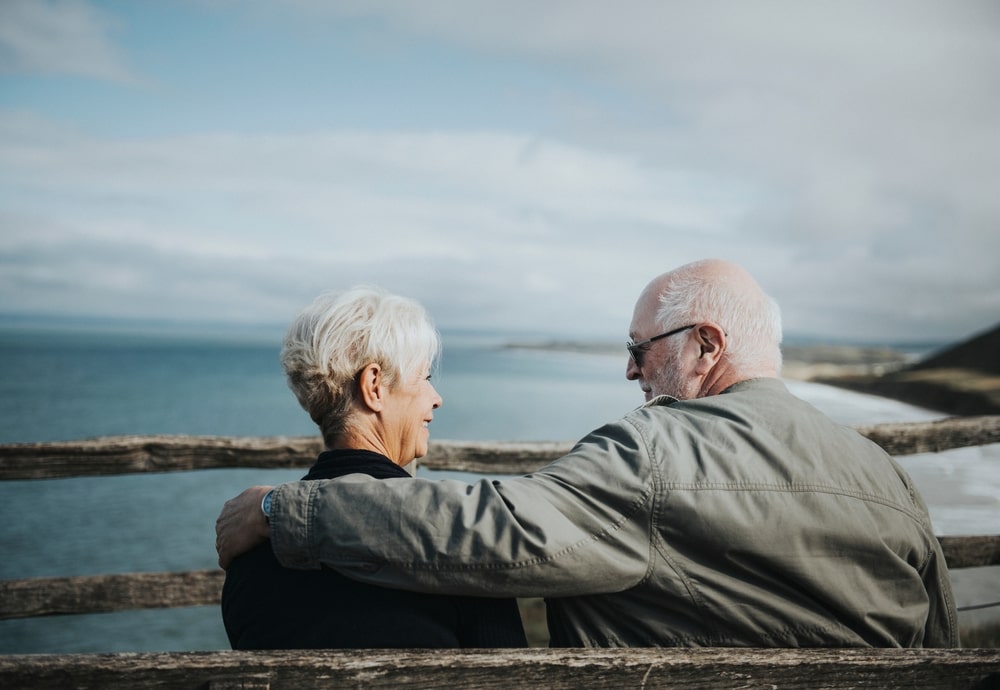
734 301
333 339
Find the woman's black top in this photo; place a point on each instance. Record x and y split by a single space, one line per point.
268 606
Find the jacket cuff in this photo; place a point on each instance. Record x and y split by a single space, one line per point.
291 526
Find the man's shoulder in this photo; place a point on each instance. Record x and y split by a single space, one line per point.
765 406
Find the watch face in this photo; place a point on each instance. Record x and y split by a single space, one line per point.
266 503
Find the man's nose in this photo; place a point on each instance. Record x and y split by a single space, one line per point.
632 370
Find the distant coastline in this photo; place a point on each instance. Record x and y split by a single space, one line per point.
581 347
958 386
803 362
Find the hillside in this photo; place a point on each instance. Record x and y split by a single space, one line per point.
980 353
963 379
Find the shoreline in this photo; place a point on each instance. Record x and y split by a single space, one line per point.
882 371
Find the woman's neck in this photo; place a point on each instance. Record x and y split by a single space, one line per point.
354 438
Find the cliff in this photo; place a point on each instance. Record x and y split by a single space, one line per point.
962 379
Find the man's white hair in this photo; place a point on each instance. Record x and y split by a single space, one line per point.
750 318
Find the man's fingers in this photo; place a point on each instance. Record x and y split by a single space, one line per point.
241 525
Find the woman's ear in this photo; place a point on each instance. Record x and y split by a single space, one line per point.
711 343
370 387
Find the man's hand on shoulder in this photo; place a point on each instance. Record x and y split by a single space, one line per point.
241 525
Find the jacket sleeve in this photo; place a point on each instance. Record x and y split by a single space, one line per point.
578 526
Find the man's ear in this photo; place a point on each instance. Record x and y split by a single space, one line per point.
371 388
711 343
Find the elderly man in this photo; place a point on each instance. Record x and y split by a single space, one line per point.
723 512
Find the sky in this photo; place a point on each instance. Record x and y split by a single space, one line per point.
513 165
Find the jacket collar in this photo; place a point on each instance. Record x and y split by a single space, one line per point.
766 382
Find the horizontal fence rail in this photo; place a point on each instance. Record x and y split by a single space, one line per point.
909 438
555 669
132 454
50 596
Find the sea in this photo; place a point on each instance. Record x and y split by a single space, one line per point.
61 383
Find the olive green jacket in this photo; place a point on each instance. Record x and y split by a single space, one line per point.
741 519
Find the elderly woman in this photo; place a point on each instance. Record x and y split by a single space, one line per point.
359 364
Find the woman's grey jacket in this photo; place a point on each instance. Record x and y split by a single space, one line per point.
746 518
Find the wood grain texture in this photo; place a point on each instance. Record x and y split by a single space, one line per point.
131 454
553 669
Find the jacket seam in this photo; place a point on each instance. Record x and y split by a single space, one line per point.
653 547
796 488
657 546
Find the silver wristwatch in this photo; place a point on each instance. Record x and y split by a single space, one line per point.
265 505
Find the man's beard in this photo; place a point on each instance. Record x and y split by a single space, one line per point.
670 380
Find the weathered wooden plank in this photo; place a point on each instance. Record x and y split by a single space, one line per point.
130 454
971 552
933 437
555 669
493 457
134 454
47 596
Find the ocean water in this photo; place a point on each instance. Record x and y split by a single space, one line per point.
59 385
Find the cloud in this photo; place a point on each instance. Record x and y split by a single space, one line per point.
861 135
473 213
846 153
61 37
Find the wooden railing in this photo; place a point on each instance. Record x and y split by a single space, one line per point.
131 454
552 669
372 668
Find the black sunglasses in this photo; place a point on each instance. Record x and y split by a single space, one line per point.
635 350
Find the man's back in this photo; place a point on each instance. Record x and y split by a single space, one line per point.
771 526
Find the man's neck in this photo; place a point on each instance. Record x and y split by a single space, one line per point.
718 380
